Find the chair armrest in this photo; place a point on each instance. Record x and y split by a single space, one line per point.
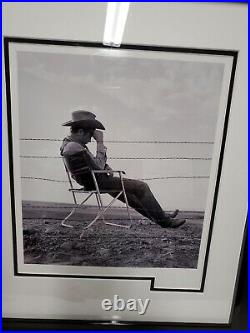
109 171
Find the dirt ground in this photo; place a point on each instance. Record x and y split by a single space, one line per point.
145 244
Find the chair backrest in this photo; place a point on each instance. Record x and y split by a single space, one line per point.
78 170
76 164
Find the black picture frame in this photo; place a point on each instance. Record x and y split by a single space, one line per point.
17 322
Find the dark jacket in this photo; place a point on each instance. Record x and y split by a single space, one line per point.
80 161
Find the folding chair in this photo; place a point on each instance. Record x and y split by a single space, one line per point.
97 192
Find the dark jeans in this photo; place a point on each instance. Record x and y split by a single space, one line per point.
138 194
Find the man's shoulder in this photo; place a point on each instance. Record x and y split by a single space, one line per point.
72 147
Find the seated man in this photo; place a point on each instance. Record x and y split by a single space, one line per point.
80 160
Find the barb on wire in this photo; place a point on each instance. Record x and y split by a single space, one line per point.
128 141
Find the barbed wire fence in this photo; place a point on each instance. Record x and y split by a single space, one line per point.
128 158
61 181
128 141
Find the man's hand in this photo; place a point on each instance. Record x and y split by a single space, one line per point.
98 136
107 167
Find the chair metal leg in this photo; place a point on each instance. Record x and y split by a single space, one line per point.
125 196
86 198
100 214
119 225
98 194
66 218
100 205
74 198
73 211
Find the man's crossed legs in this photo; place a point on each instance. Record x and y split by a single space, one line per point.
141 199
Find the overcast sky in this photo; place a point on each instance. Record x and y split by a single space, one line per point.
135 99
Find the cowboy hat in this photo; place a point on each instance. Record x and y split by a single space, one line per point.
85 120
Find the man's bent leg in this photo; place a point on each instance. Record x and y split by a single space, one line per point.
114 183
139 196
143 197
146 198
134 203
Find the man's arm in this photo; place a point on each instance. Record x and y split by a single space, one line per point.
94 162
98 162
101 157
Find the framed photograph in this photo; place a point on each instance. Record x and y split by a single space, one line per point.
165 112
118 164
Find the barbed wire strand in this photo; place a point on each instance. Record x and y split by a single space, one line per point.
176 177
143 179
45 179
128 158
127 141
83 207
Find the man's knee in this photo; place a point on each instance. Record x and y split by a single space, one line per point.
142 187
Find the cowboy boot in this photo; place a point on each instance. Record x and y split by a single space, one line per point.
170 222
174 214
175 223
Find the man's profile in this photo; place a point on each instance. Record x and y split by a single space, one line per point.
80 161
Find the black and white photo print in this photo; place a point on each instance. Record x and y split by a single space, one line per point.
116 157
